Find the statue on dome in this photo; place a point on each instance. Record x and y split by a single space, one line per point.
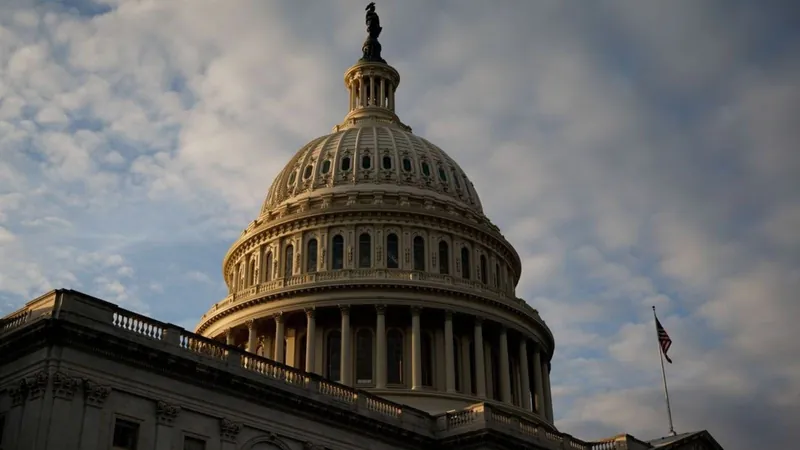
371 47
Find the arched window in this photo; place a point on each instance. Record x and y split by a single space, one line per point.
333 345
407 164
426 344
465 268
252 276
326 166
457 363
419 253
364 250
311 256
345 164
366 162
392 251
484 275
387 162
444 258
338 252
364 356
289 255
394 357
268 267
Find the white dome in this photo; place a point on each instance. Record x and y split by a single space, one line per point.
372 158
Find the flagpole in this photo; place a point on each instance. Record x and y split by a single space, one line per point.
663 373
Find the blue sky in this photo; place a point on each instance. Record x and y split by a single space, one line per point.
635 153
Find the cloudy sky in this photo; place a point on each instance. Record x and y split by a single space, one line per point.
636 153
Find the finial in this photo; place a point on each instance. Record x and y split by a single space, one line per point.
371 47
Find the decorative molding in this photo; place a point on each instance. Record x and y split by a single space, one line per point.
345 309
229 430
380 309
251 324
64 386
36 385
311 312
18 393
167 413
278 317
95 394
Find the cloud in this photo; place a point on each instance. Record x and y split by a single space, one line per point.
634 154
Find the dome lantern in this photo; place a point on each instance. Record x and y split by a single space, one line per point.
371 83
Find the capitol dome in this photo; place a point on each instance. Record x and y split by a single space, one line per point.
372 263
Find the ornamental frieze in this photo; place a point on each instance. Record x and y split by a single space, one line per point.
65 386
95 394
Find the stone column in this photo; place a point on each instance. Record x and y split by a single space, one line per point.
537 381
505 370
548 401
280 339
449 357
380 353
382 97
524 378
252 336
362 92
480 371
311 332
346 363
94 399
229 337
165 419
416 350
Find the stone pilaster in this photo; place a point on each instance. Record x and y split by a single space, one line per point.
68 427
380 353
229 433
480 368
94 399
346 362
166 414
449 353
252 336
33 410
280 336
311 341
416 350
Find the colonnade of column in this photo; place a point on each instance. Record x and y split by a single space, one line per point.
533 389
371 90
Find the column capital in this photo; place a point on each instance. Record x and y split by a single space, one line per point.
251 324
228 332
380 309
311 312
345 309
278 317
448 314
415 310
478 320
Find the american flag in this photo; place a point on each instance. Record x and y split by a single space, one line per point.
663 339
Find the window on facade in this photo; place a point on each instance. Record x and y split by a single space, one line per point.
394 357
326 166
292 178
364 250
364 356
344 165
289 261
126 435
426 169
444 258
426 344
419 253
333 346
307 172
457 363
442 174
338 253
387 162
366 162
484 275
192 443
252 276
465 268
407 164
268 267
392 251
311 256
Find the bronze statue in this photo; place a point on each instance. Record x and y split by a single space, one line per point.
371 47
373 22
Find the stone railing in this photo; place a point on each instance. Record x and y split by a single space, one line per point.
387 276
491 415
